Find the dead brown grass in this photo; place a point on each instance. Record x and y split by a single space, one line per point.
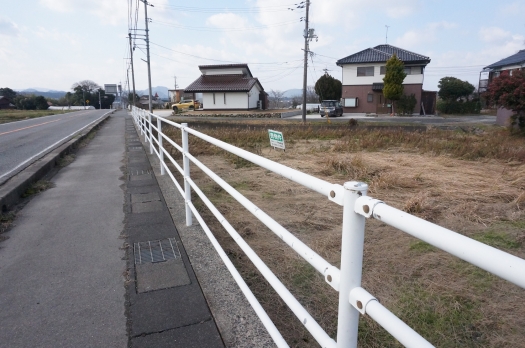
449 302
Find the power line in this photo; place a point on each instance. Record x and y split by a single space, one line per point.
257 9
218 60
233 29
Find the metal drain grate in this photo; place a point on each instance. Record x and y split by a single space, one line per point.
139 172
156 251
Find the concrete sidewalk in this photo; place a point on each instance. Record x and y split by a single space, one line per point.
97 261
61 269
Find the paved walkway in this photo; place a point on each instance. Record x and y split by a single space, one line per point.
61 269
66 281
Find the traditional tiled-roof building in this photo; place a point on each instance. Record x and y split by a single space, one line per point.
228 87
363 74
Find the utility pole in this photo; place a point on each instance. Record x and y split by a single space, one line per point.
127 72
305 73
147 51
386 37
132 69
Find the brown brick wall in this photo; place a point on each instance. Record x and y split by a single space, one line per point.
361 92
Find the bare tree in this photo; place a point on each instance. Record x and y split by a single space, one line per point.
86 86
276 98
311 96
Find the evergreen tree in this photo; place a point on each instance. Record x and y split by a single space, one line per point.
328 88
394 77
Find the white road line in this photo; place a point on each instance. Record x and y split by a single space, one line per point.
34 157
39 118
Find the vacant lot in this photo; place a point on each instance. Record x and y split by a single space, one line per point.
18 115
471 181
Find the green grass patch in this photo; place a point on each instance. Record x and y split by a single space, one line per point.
422 247
448 320
38 187
66 160
500 240
268 195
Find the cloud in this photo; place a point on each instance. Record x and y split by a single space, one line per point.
493 34
428 33
8 28
351 12
109 11
513 9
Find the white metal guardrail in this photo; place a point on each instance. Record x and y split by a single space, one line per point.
357 206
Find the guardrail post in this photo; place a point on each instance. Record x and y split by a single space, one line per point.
186 163
141 118
150 134
351 263
161 148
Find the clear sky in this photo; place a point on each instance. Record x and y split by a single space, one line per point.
54 43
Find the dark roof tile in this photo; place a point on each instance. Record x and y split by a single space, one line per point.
514 59
382 53
222 83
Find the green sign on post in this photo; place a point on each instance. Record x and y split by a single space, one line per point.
276 139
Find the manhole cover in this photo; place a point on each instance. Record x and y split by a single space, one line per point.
156 251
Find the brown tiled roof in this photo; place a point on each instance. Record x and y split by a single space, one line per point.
222 83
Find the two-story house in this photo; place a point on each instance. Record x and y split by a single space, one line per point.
363 74
228 87
509 64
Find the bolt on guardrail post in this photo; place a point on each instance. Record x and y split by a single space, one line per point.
161 148
351 263
150 134
186 165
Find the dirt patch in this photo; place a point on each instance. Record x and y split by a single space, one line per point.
449 302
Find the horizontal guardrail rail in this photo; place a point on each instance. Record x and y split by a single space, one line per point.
357 207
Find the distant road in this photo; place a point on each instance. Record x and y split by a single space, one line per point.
23 142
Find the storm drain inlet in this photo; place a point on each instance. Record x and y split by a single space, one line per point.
156 251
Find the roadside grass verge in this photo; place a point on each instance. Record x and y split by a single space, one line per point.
37 187
428 174
7 116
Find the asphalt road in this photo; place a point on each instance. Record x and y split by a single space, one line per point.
23 142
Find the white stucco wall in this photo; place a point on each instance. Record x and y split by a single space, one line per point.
350 77
222 71
254 97
234 100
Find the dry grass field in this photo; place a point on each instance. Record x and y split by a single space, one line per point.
7 116
470 182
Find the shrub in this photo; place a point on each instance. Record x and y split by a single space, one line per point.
459 107
406 104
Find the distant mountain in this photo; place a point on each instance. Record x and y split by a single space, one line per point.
160 90
48 93
293 93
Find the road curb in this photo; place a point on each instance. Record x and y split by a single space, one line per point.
12 190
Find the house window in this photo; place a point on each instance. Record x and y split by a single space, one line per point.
365 71
382 70
224 98
214 98
370 98
414 70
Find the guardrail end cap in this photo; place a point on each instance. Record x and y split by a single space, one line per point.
356 186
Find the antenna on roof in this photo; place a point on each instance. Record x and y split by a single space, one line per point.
386 38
